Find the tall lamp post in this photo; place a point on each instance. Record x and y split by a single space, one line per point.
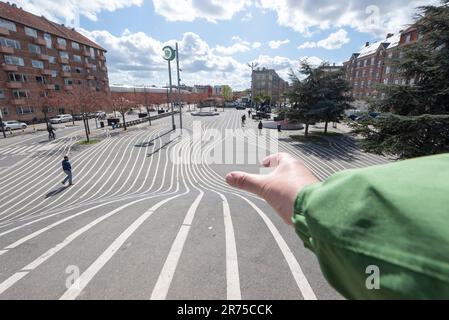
170 55
179 86
252 65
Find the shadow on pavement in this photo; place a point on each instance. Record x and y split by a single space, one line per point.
56 192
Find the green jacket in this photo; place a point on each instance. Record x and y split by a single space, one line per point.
393 217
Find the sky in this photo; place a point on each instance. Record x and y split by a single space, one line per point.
218 38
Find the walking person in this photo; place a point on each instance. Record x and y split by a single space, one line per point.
67 168
279 127
243 120
51 132
260 127
249 113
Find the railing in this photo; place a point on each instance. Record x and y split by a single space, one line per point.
143 120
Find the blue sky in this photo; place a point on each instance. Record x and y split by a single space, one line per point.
217 38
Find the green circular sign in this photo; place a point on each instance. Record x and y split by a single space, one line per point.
169 53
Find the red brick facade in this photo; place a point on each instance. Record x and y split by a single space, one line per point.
40 58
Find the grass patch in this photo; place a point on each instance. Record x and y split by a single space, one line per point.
312 138
85 143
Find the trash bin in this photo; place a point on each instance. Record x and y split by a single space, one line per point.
101 124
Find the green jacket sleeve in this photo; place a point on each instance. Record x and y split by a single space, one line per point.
391 221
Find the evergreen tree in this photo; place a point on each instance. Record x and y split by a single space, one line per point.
415 119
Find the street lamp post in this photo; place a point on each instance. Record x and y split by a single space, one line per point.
253 65
179 86
169 55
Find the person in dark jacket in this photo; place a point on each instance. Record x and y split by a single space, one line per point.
260 127
51 132
67 168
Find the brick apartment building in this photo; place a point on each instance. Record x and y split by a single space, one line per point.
373 65
40 58
267 81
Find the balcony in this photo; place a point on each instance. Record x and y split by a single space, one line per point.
40 41
68 88
86 53
66 74
43 57
88 65
10 68
18 102
63 60
104 69
4 32
46 72
49 87
14 85
90 78
60 47
102 58
6 50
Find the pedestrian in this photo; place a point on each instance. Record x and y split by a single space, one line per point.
67 168
51 132
243 120
279 127
260 127
378 233
249 113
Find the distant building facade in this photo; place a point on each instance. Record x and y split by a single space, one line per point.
39 57
374 65
267 81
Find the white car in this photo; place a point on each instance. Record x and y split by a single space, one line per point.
62 118
14 125
101 115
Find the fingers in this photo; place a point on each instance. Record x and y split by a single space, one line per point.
246 181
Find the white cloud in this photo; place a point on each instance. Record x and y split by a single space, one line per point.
307 16
256 45
190 10
240 45
277 44
68 11
335 40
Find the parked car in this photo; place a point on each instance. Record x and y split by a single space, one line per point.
62 118
101 115
14 125
240 107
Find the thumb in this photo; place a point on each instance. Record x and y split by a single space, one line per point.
246 181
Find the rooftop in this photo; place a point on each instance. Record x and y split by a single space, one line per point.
15 14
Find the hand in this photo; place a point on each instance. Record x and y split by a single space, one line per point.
279 188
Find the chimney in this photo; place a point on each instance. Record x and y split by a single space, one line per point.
367 44
389 35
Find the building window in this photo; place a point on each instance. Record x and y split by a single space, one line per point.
75 45
77 58
5 111
41 79
31 32
64 55
78 70
66 68
37 64
7 25
34 48
2 94
10 43
54 73
47 38
24 110
51 59
20 94
68 82
92 53
387 70
17 77
14 60
94 67
408 38
61 42
57 87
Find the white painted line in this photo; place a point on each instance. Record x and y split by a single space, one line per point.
160 290
11 280
293 264
78 286
232 266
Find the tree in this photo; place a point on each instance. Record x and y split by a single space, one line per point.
122 105
416 115
320 97
227 93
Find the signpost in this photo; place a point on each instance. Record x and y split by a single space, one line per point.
179 86
169 55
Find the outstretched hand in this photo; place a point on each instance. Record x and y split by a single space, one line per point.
279 188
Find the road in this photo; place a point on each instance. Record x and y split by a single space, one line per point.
138 225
